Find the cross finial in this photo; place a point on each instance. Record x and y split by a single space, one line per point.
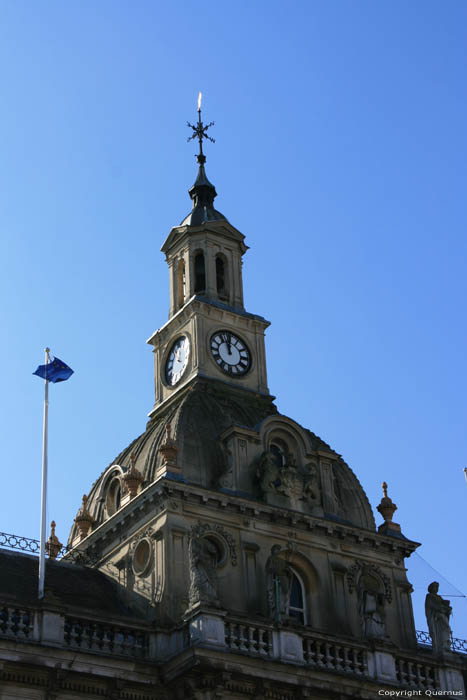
200 133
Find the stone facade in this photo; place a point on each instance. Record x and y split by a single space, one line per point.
234 553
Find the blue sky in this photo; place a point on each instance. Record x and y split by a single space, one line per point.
340 153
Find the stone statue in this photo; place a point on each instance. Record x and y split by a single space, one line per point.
203 577
279 580
268 473
372 609
438 612
312 491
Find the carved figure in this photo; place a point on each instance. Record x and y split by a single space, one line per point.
268 472
291 483
312 491
279 581
438 611
372 609
203 578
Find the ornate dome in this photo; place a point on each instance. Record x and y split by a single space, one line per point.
201 423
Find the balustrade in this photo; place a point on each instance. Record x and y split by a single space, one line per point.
96 636
416 674
323 654
16 622
247 638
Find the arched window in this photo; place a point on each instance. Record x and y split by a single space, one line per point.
221 277
181 283
280 451
200 273
114 496
297 604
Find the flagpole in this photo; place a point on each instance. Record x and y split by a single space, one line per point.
44 482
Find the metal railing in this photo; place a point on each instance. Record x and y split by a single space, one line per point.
457 644
28 544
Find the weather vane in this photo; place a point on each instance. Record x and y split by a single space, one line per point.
200 133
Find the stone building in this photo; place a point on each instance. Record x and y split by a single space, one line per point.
227 552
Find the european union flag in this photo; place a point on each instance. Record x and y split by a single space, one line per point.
55 371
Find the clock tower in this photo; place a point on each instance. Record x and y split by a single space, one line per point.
209 334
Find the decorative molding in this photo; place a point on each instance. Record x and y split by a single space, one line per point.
367 568
203 529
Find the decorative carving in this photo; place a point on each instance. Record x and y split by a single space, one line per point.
371 607
84 519
365 568
438 611
169 450
203 577
369 580
295 483
204 529
147 534
279 581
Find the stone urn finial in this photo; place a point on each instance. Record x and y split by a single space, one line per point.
84 519
53 544
133 477
168 450
387 509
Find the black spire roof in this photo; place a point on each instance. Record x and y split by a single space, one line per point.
202 191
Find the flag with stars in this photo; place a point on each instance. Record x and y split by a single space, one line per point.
55 371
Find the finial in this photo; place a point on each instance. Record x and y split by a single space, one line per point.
133 477
53 544
387 509
168 451
200 133
84 519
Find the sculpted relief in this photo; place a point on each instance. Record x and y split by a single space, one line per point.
282 482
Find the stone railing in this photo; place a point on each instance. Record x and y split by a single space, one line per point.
324 654
16 622
251 639
44 626
109 639
416 674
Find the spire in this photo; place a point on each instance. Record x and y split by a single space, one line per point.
202 191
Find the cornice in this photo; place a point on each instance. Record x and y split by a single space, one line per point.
121 526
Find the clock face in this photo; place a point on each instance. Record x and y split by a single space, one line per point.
177 360
230 353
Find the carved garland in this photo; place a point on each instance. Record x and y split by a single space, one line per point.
147 533
364 567
203 529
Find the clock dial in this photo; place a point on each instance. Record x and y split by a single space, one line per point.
177 360
230 353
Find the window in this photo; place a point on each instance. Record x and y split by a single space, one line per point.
114 496
181 283
200 273
296 607
221 277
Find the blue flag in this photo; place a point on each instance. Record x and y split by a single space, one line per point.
55 371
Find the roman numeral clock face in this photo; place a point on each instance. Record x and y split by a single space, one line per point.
230 353
177 360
